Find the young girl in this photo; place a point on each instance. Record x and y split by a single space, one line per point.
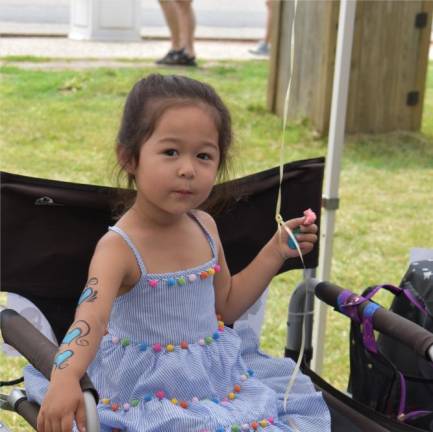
148 328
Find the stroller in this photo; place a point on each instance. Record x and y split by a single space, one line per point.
42 220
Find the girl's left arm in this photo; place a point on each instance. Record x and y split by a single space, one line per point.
235 294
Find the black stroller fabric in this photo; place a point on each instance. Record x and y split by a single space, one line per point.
50 228
396 378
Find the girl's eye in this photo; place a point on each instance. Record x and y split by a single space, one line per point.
171 152
204 156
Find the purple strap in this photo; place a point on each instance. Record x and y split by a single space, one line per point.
347 303
402 404
367 327
408 293
396 291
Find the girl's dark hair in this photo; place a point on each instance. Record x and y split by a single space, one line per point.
151 97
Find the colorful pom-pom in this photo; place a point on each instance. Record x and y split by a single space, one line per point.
232 396
192 277
171 282
174 401
181 281
216 335
271 420
244 377
263 423
203 275
235 428
125 342
184 345
208 340
217 268
105 401
194 399
220 429
183 404
245 427
115 340
153 283
160 394
135 402
254 425
211 272
147 397
126 406
250 372
170 348
201 342
215 400
115 407
143 346
236 388
157 347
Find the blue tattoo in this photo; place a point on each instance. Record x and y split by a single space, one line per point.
77 334
88 295
60 359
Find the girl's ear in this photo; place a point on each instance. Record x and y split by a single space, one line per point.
125 160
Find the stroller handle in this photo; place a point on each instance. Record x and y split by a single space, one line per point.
385 321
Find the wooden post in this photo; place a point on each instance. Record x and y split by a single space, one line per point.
388 71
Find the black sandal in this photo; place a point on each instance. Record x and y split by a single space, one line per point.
177 58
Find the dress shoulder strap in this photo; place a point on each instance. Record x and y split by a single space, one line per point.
209 237
131 246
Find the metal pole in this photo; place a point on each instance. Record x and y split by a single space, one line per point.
333 166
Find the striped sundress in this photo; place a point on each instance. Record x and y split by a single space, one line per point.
169 364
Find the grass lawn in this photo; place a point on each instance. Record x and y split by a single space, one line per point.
62 124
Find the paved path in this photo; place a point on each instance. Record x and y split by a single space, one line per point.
63 48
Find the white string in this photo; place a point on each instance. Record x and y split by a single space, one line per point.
278 216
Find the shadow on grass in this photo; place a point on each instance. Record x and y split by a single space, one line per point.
393 151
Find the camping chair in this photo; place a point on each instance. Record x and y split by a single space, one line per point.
50 228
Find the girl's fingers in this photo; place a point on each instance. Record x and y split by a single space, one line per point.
40 422
309 228
294 223
66 424
80 416
306 238
56 425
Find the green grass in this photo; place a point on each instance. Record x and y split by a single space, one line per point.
61 125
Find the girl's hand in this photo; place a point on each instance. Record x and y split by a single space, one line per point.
63 402
306 238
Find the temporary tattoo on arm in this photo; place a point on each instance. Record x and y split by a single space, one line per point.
89 294
61 357
80 330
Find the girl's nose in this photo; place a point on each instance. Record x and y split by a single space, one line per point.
186 169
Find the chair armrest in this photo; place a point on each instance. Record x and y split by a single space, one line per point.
40 352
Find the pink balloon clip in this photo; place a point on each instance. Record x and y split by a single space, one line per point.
309 217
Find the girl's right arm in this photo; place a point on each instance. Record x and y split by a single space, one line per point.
64 400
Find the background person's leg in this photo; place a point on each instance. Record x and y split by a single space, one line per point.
169 10
263 46
170 14
186 21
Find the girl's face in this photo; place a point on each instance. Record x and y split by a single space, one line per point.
178 163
